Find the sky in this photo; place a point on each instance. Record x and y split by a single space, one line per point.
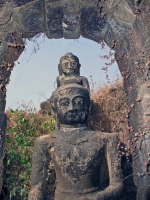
34 75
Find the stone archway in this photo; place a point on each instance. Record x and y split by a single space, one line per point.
123 25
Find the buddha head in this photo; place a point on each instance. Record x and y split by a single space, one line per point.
69 65
71 104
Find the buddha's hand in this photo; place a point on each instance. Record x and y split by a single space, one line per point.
36 193
115 191
98 196
85 198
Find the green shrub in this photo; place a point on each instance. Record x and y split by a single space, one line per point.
23 128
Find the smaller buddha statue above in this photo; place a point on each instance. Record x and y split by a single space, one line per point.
69 71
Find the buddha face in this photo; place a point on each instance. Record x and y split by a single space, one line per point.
69 65
72 108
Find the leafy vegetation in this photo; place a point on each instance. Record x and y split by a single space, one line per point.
23 128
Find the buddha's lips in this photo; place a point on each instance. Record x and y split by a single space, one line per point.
70 71
75 114
72 114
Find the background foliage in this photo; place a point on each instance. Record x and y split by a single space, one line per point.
24 126
109 112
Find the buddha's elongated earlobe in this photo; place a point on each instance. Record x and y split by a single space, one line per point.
89 116
53 109
79 69
60 70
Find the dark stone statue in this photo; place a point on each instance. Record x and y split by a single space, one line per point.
87 163
69 72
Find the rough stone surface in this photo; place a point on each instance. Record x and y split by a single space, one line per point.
123 25
85 148
54 17
30 19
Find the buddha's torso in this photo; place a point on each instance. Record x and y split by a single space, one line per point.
77 158
63 80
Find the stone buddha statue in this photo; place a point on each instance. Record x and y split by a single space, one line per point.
69 71
86 162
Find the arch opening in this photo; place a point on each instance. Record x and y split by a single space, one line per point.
123 25
41 59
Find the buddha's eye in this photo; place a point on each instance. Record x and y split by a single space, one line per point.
78 102
74 64
64 104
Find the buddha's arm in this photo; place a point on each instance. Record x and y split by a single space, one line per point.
85 83
116 186
115 190
40 162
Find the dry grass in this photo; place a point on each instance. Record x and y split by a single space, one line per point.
109 109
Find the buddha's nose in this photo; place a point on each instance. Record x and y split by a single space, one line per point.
71 107
69 65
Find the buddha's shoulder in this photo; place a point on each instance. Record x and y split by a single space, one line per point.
44 142
100 135
82 77
113 137
87 134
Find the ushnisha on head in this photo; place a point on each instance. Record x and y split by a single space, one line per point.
69 65
71 104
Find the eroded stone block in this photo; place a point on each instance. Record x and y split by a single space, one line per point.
54 17
19 3
31 18
92 26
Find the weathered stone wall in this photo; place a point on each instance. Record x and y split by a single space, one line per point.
123 24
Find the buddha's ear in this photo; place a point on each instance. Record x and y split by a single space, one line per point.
79 69
59 69
90 105
89 116
52 104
